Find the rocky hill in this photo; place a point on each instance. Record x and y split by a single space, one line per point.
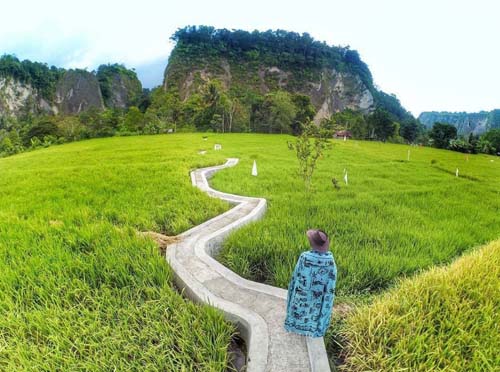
120 87
477 122
34 88
256 63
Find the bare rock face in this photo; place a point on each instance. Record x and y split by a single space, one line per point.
338 91
120 96
17 98
120 87
188 81
465 122
77 91
332 91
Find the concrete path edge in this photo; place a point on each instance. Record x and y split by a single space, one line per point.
251 325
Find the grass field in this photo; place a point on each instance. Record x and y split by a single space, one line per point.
446 319
78 289
394 218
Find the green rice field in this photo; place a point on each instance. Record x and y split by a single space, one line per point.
81 290
394 218
446 319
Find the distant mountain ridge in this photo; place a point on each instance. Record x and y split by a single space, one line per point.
466 123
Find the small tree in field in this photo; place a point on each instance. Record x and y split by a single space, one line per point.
309 148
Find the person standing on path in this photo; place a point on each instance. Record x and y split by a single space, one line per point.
312 289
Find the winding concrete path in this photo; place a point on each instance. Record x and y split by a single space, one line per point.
258 310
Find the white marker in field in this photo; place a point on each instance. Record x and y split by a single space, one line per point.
217 147
345 138
254 168
456 173
345 177
408 155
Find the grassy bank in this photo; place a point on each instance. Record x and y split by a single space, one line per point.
446 319
79 290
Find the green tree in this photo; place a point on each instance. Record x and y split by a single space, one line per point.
213 111
350 120
309 147
493 136
167 108
441 135
282 112
6 146
484 146
193 111
409 130
304 112
71 128
383 126
460 145
134 120
45 127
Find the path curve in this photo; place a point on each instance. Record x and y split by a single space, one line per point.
258 310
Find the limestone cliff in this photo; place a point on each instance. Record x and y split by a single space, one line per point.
77 91
330 92
17 98
34 88
120 87
476 122
338 91
246 63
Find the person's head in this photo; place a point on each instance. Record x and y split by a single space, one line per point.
318 239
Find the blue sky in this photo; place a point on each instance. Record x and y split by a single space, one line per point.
434 55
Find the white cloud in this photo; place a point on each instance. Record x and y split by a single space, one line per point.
439 55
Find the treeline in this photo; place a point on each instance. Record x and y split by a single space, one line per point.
28 133
212 109
39 75
444 136
287 50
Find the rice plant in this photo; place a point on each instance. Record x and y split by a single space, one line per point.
394 217
80 290
446 319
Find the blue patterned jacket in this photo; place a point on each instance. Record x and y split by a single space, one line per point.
311 293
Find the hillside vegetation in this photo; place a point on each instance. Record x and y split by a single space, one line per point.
446 319
39 75
264 79
79 289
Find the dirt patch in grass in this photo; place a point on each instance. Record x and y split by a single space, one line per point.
163 241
